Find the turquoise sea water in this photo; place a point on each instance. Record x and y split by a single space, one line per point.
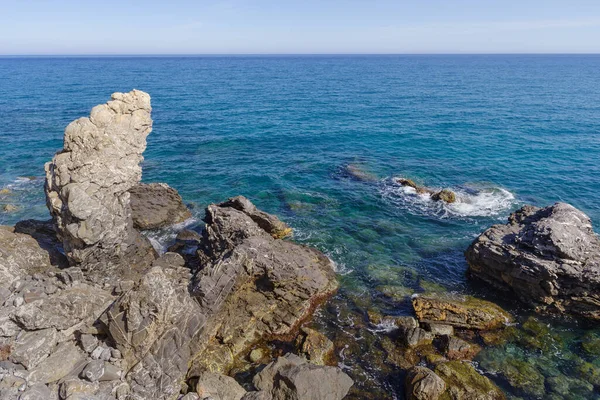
287 132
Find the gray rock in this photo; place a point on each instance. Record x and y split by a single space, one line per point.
457 349
549 257
7 326
79 304
417 337
292 378
153 326
247 273
30 348
100 371
44 233
20 255
59 364
88 342
37 392
73 387
439 329
270 223
156 205
190 396
423 384
87 187
218 387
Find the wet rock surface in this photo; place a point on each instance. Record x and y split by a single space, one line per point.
156 205
549 257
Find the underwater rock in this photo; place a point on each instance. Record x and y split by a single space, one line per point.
463 382
519 373
591 344
423 384
8 208
354 171
444 195
460 311
88 182
156 205
549 257
317 348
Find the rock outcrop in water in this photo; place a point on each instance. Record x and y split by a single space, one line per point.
445 195
549 257
156 205
88 183
115 322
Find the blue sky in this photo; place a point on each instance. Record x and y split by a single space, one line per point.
292 26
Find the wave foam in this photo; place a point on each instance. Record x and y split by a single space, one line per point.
471 200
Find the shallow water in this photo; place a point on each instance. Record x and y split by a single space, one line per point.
290 133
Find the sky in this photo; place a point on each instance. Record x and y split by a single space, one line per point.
69 27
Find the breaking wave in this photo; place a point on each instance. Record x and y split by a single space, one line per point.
473 200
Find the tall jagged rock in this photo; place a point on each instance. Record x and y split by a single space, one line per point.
549 257
87 185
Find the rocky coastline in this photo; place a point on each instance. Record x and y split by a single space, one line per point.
89 309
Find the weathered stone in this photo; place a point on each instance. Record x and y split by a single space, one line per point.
20 255
58 365
439 329
88 342
44 233
100 371
268 222
30 348
417 337
153 325
412 184
463 382
549 257
218 387
7 326
423 384
156 205
72 387
457 349
254 286
317 348
37 392
292 378
460 311
80 304
88 182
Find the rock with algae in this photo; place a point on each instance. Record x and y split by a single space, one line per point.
463 382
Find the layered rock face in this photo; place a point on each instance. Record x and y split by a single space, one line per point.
156 205
88 182
549 257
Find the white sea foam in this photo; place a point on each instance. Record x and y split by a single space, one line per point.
161 239
471 200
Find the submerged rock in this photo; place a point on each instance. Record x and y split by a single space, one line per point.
315 346
356 172
460 311
412 184
156 205
549 257
465 383
88 182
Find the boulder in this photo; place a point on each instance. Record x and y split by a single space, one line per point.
88 182
293 378
218 387
268 222
460 311
548 257
317 348
463 382
65 358
457 349
255 287
412 184
156 205
445 195
30 348
20 255
423 384
153 325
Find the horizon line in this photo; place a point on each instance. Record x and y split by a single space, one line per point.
83 55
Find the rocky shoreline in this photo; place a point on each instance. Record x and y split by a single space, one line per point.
90 310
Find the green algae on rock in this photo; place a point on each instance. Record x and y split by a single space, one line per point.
463 382
519 373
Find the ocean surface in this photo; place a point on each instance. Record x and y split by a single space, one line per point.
317 140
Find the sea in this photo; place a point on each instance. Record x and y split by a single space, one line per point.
319 141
